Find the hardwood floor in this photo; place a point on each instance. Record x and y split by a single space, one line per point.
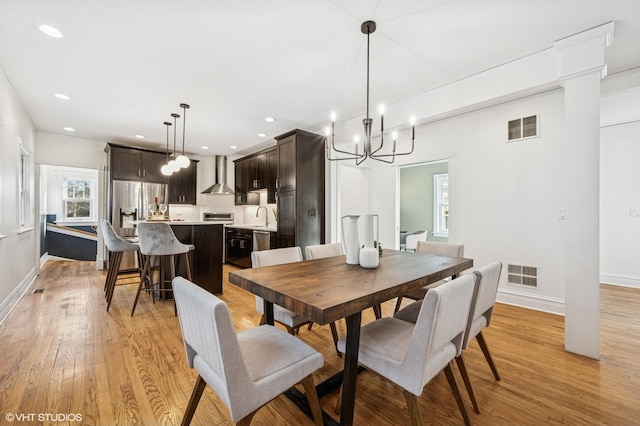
62 354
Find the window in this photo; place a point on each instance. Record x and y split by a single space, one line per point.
522 128
441 205
78 199
24 185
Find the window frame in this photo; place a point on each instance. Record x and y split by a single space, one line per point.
440 218
91 199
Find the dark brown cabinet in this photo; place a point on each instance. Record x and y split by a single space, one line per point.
240 182
257 172
206 259
272 174
136 164
300 189
182 185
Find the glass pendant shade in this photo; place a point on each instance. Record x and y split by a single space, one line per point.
174 166
183 161
166 170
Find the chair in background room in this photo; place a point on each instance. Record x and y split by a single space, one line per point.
246 370
437 248
290 320
116 246
409 354
157 241
411 240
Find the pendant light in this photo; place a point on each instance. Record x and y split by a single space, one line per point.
173 164
166 170
183 160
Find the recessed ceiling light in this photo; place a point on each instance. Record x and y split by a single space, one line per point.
269 119
233 146
69 129
50 31
262 135
61 96
140 136
204 147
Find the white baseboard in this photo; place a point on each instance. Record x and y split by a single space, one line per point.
531 301
621 280
7 305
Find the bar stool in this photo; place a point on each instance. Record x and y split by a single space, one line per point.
116 246
157 241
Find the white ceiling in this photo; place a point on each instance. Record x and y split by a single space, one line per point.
127 65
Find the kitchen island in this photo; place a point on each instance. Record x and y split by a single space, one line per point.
206 260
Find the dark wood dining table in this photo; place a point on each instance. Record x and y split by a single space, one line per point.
325 290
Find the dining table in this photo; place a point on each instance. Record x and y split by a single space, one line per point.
328 289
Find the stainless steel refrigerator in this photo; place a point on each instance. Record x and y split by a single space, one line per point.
129 203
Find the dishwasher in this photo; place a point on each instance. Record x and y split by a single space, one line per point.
261 240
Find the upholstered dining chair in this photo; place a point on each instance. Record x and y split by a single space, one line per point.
157 240
411 354
487 278
116 246
246 370
290 320
437 248
413 238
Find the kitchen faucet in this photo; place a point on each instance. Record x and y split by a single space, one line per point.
266 215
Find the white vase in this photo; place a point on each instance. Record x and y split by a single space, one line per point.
352 241
369 256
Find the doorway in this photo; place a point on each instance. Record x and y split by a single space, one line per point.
424 200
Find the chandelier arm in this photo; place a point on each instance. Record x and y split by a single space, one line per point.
395 153
352 155
355 154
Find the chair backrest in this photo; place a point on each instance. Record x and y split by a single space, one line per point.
439 331
488 278
442 249
208 333
276 256
158 239
413 238
113 240
323 250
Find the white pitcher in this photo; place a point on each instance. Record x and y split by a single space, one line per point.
369 255
352 242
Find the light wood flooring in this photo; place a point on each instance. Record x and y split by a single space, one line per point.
62 353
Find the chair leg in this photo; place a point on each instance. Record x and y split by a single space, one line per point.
377 310
246 420
263 320
487 355
467 383
398 303
142 282
334 334
456 393
412 405
312 397
193 401
309 326
113 276
338 408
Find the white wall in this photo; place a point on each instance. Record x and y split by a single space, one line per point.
18 260
620 204
504 196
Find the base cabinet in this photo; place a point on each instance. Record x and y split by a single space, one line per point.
206 259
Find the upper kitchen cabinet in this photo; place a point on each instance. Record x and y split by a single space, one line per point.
256 173
300 189
182 185
136 164
272 174
240 168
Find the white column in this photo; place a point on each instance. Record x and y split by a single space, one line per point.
582 67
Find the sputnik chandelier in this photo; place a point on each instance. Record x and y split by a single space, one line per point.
367 27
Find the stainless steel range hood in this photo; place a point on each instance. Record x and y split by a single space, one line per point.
220 187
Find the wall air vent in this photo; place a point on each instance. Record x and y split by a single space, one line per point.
523 128
522 275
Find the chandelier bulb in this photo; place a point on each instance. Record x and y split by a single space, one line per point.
381 109
333 116
412 120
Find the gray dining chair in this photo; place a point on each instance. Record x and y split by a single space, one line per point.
437 248
291 321
157 241
412 354
488 279
116 246
246 370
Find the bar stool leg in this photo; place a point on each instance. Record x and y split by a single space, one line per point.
112 276
142 282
